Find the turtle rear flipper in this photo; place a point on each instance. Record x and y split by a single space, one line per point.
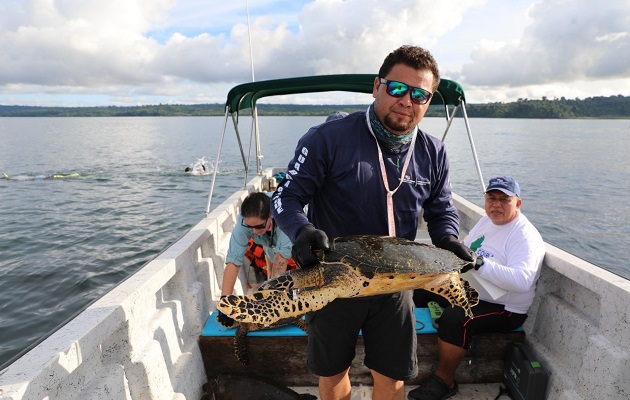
301 323
457 291
240 336
240 345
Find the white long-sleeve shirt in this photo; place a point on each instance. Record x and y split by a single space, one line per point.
513 254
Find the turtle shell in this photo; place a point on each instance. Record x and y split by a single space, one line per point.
373 255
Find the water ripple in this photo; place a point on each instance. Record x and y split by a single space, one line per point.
66 242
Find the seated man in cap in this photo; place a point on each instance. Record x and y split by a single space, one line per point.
510 253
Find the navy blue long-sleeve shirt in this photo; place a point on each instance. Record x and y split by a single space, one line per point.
336 171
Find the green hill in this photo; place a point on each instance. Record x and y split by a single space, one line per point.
593 107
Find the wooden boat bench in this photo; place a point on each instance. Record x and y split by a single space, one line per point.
280 354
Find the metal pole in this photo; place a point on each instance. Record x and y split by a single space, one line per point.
472 146
216 163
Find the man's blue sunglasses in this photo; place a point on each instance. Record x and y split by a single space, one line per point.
399 89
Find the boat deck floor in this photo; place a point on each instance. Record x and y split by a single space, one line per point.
480 391
477 391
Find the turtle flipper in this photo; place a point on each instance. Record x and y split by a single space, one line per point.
457 291
240 345
301 323
295 279
471 293
269 306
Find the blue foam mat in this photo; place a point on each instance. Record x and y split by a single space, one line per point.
214 329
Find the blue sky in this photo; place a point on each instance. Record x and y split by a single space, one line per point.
133 52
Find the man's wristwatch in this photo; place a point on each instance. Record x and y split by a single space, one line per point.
478 263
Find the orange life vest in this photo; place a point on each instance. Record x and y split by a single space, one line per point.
256 256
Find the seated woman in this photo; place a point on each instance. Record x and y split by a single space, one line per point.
255 222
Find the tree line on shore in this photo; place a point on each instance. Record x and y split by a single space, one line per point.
611 107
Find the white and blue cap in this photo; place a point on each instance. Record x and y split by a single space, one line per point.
505 184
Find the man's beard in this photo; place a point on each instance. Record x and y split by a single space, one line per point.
396 126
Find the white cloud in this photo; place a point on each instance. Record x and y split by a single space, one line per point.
567 41
151 51
79 43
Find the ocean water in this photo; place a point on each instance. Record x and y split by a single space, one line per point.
89 201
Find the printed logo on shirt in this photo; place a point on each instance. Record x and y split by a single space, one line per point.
277 202
476 247
417 182
477 243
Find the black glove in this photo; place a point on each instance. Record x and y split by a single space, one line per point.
476 265
308 240
224 319
450 243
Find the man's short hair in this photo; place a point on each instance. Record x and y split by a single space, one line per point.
414 57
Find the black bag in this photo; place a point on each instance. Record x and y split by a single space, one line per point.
523 375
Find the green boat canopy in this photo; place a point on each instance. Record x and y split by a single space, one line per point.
246 95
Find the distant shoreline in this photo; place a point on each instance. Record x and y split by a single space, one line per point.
612 107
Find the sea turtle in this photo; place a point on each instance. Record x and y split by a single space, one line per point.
243 328
355 266
249 387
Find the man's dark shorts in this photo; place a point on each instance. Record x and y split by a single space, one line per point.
387 323
458 329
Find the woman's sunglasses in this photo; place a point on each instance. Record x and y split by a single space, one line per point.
261 226
399 89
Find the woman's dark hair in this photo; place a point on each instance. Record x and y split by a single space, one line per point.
256 204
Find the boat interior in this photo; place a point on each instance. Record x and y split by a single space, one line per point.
154 337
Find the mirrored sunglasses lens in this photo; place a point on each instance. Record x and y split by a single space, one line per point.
419 95
397 89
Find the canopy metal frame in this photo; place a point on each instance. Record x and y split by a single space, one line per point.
245 97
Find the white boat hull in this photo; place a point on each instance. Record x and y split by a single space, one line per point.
140 340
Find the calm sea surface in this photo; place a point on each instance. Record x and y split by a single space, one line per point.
64 242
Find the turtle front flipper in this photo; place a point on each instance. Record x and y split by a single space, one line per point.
269 306
457 291
471 293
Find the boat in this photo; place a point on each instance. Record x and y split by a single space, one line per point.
141 340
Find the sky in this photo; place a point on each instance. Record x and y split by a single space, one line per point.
139 52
